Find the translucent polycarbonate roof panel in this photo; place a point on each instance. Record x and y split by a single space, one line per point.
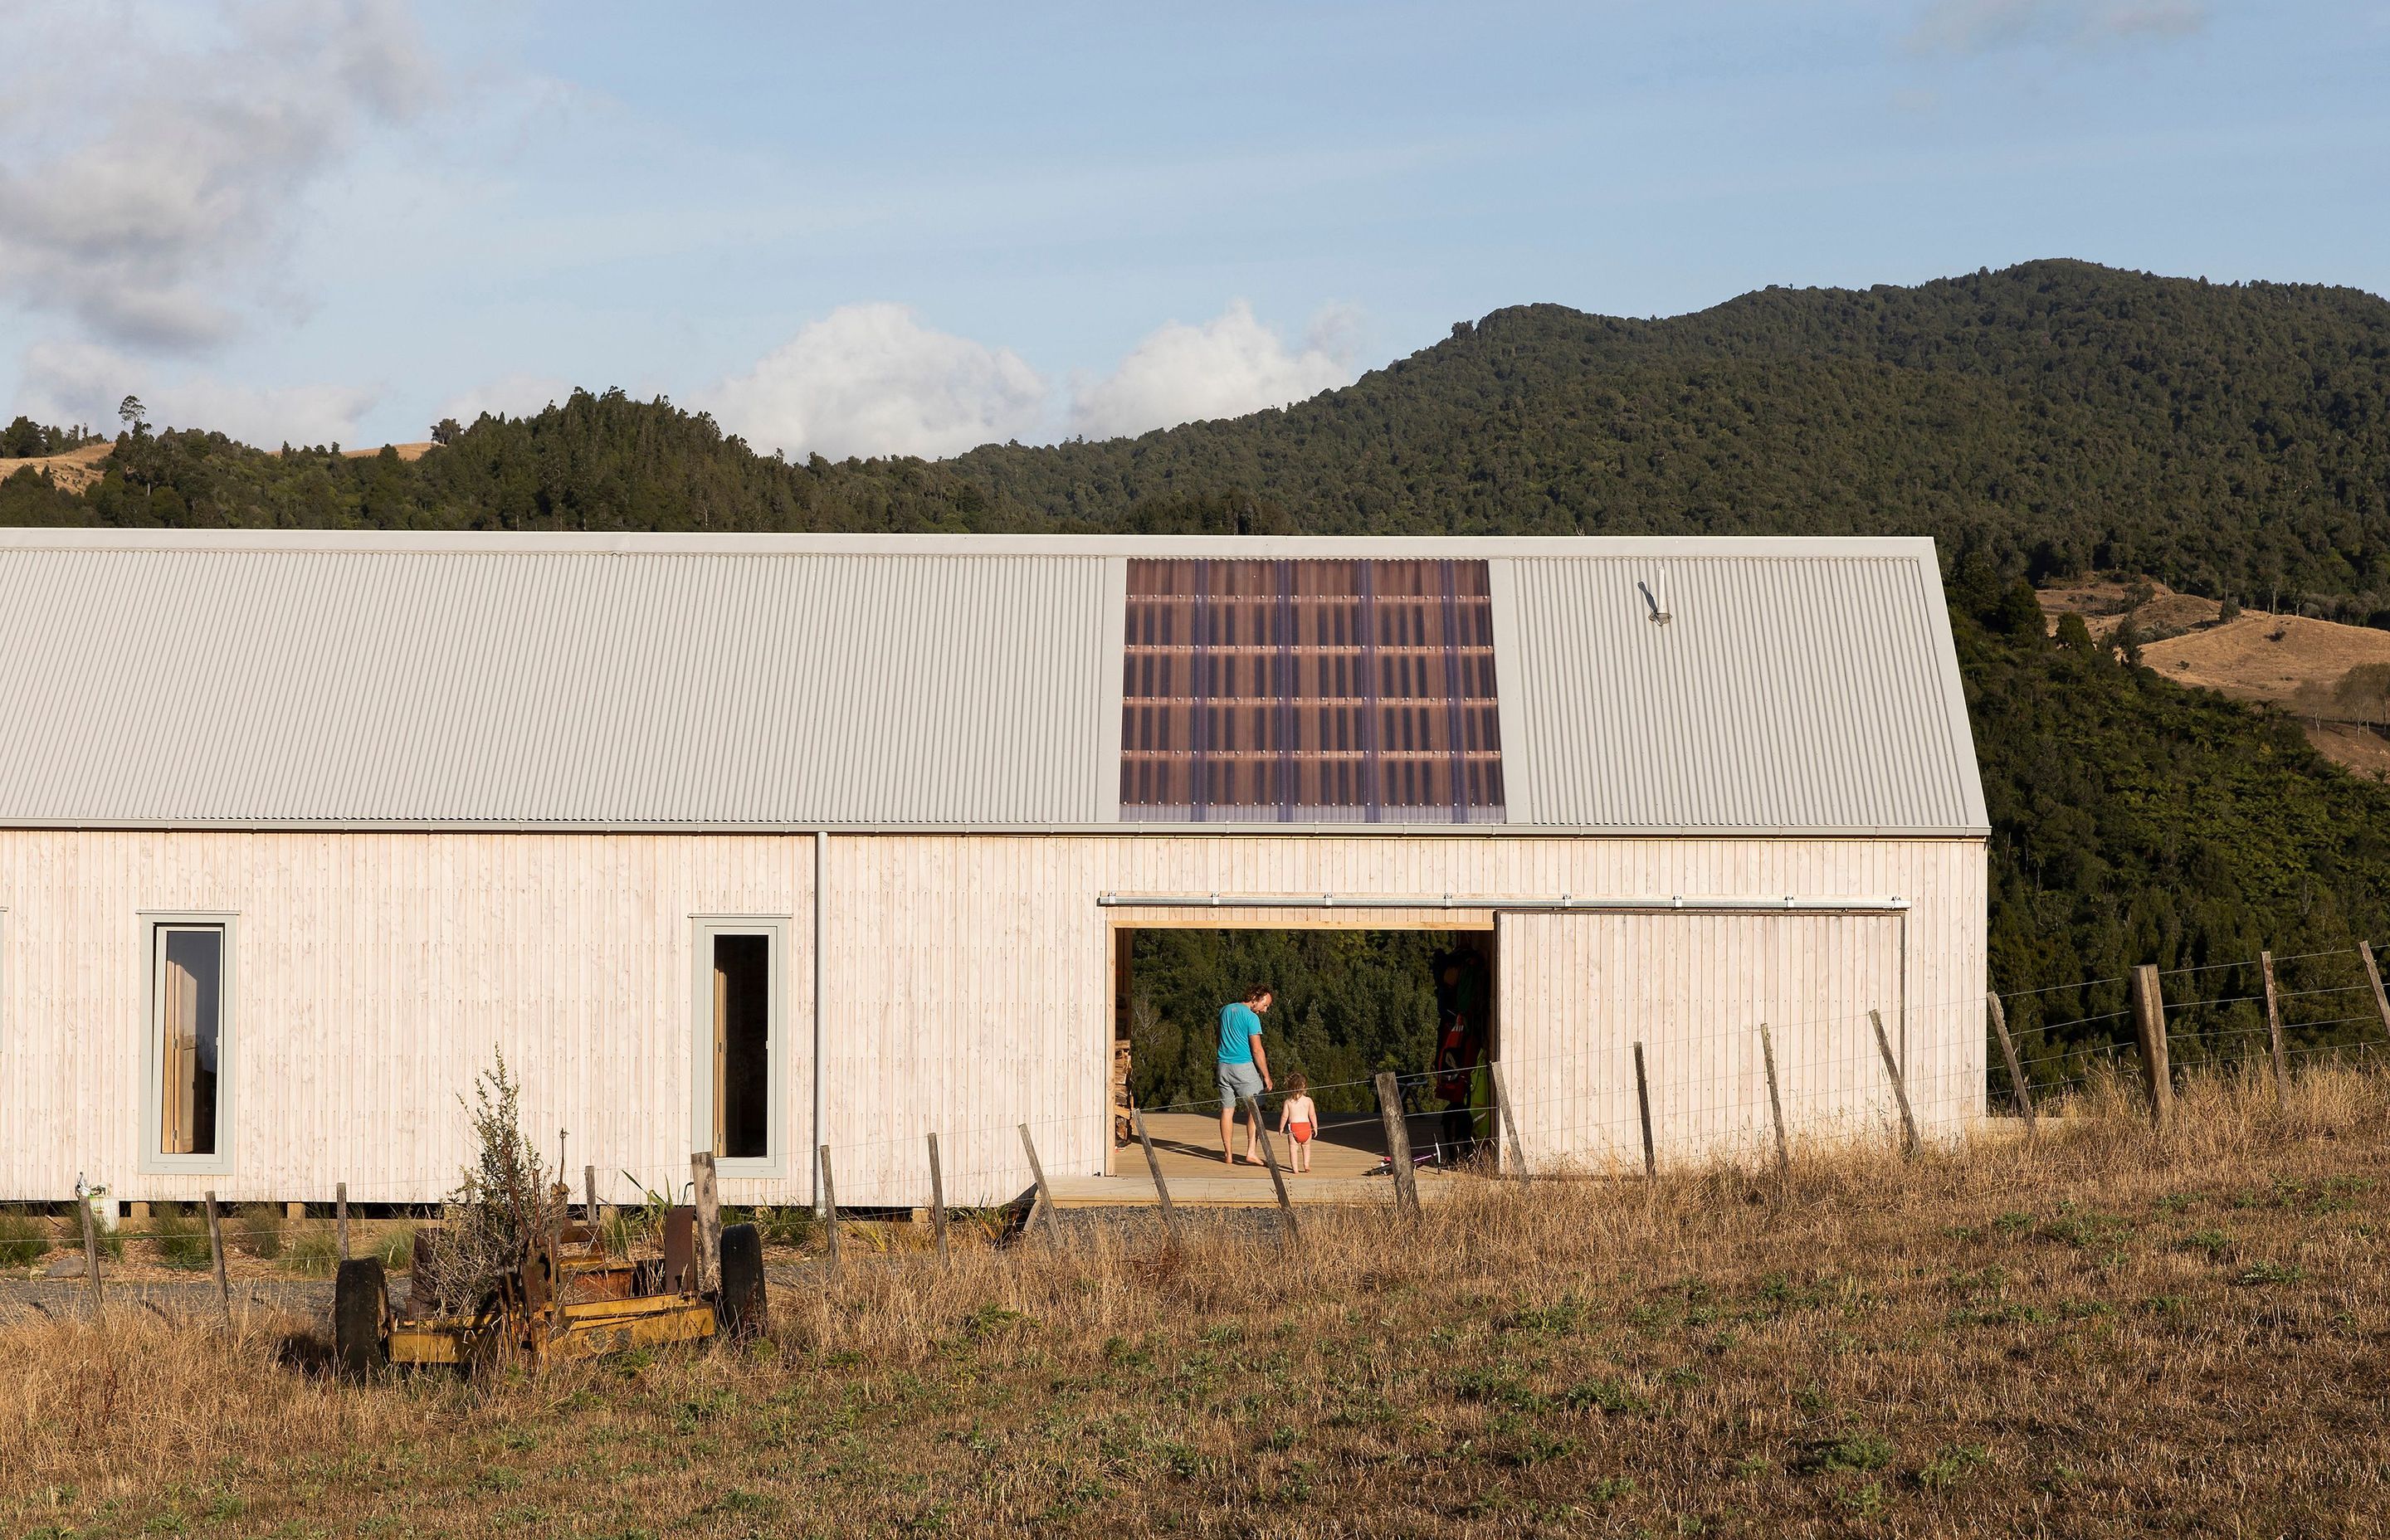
1309 692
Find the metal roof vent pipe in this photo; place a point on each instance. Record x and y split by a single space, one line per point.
1659 616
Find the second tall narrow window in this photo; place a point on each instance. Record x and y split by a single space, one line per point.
742 1046
190 1028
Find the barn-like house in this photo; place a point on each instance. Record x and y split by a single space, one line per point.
754 844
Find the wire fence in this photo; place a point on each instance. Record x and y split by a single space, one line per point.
1728 1088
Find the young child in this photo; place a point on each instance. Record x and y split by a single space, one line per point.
1299 1120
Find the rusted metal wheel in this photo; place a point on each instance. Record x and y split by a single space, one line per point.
361 1318
742 1305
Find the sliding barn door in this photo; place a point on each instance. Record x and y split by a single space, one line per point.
1578 991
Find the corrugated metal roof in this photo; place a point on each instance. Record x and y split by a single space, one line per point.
210 686
1782 692
250 678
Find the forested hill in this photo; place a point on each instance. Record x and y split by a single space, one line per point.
2036 420
2054 416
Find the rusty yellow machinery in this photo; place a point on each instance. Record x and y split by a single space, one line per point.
557 1304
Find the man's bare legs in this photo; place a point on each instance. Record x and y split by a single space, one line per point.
1229 1137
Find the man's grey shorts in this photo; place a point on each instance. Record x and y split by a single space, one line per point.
1236 1082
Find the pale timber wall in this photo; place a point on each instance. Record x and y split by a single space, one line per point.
374 974
967 986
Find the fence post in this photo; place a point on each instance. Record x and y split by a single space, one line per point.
1270 1159
937 1198
1161 1188
829 1212
2019 1090
709 1217
341 1215
2274 1025
1044 1201
1398 1142
2149 1026
1910 1142
216 1255
90 1248
1643 1111
1509 1122
2373 977
1775 1105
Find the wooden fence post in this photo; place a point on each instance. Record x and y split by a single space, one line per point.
1899 1089
829 1212
589 1207
1161 1188
1643 1111
2373 977
2274 1025
709 1217
90 1249
1510 1123
1270 1159
937 1198
1398 1142
1044 1201
341 1215
2149 1026
1775 1105
2019 1091
216 1255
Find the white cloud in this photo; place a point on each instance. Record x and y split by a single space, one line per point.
871 379
64 382
1981 26
152 167
515 395
1228 366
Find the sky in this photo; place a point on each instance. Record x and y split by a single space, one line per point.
914 228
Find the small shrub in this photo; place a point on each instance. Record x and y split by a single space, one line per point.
182 1237
786 1225
1854 1451
395 1247
1606 1395
1953 1466
316 1254
257 1231
25 1239
2271 1272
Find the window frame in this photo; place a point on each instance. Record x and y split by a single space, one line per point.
153 1160
775 928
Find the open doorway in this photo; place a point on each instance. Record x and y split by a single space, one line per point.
1348 1003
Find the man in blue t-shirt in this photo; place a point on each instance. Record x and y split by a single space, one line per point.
1244 1071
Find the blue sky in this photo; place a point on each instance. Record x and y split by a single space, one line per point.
912 228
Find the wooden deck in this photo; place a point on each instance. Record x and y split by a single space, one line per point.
1188 1145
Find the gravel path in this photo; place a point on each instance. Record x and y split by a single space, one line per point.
64 1298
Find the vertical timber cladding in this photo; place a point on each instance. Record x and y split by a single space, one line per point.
1308 691
1576 992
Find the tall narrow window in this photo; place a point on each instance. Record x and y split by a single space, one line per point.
190 998
737 1058
742 1046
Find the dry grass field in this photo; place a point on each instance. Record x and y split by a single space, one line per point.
2106 1332
72 471
2287 661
